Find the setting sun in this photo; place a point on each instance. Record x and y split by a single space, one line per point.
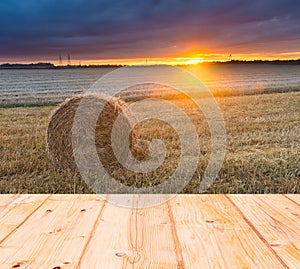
193 61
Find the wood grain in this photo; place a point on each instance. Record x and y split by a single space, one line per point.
214 235
277 219
294 197
131 238
6 199
189 231
15 210
54 235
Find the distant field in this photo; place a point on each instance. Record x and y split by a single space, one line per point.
263 149
19 87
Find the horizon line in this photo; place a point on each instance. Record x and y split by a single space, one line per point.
49 63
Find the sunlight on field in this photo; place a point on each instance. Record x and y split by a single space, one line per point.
263 149
53 86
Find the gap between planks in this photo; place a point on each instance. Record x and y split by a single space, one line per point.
276 219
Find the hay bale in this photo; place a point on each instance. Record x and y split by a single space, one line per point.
59 134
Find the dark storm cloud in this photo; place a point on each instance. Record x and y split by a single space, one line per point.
128 29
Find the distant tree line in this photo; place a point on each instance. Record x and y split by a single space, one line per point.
52 66
27 66
264 61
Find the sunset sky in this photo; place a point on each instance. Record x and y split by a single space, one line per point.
169 31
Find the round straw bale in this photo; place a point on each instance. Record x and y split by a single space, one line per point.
59 134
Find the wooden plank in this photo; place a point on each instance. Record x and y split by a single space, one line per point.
15 210
109 242
6 199
294 197
191 231
214 235
132 238
277 219
54 236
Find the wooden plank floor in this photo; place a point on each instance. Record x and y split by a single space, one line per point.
189 231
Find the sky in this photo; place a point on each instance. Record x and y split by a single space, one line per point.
168 31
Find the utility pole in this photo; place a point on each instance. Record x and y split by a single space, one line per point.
230 57
60 60
69 59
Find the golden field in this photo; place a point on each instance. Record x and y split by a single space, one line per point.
263 149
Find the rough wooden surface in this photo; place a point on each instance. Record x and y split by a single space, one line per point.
189 231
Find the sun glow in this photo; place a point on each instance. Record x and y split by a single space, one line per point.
149 61
194 58
189 60
193 61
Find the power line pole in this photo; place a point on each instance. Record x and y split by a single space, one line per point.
69 59
60 60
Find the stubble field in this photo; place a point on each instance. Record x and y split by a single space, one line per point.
263 149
